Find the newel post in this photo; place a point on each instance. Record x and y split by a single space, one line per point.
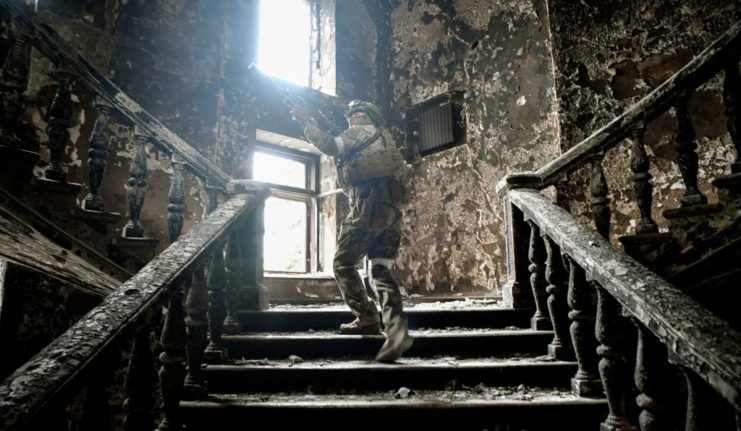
253 294
516 292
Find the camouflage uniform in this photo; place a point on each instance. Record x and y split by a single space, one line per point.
368 164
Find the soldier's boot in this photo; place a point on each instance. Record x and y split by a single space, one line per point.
366 321
395 323
355 295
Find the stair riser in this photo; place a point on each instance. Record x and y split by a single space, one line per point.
535 416
276 321
383 379
277 348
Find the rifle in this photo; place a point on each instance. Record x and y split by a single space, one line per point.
295 102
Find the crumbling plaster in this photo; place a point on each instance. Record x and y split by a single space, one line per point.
609 55
500 54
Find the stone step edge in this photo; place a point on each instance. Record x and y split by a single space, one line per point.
365 365
413 333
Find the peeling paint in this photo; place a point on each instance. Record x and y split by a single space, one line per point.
500 54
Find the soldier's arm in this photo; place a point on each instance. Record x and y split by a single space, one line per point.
317 136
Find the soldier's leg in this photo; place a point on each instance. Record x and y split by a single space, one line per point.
351 247
383 250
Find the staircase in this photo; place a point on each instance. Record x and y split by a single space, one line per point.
473 365
586 337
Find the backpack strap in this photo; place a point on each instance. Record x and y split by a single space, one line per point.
363 145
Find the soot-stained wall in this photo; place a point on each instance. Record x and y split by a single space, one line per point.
608 55
500 54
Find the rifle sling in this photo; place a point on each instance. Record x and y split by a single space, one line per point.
363 145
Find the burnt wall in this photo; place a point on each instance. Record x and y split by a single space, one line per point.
500 54
608 55
356 51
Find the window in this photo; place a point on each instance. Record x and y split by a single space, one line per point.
290 213
284 44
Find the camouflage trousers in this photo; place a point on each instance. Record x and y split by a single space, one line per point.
372 228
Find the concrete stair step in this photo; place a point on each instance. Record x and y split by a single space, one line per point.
428 343
417 373
480 408
299 319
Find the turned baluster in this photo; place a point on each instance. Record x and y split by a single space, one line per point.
59 120
652 379
235 280
516 292
172 371
731 87
639 165
255 295
600 202
581 299
610 332
687 155
197 296
98 157
560 347
137 185
216 296
13 83
536 254
196 322
174 337
707 410
140 384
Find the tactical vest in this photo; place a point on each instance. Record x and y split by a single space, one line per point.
370 152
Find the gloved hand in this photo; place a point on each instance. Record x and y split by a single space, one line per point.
300 113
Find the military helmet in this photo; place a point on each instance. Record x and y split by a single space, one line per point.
367 108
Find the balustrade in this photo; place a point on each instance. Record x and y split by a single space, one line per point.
98 157
560 347
59 121
536 254
13 82
186 283
137 186
581 300
687 155
639 165
217 279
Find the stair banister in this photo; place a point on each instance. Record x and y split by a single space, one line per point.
55 48
57 373
697 339
716 57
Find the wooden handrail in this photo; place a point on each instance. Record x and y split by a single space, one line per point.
54 47
53 374
694 336
692 75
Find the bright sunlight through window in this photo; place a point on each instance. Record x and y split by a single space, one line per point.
286 220
284 40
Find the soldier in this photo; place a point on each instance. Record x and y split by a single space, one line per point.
369 165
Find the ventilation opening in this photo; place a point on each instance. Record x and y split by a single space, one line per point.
435 125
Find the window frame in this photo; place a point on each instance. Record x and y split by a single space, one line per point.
308 195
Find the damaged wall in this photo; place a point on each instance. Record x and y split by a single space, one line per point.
500 54
609 54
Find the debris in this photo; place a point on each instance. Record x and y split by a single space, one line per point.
452 385
295 359
403 393
480 388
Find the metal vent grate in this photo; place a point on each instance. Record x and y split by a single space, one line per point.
436 127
